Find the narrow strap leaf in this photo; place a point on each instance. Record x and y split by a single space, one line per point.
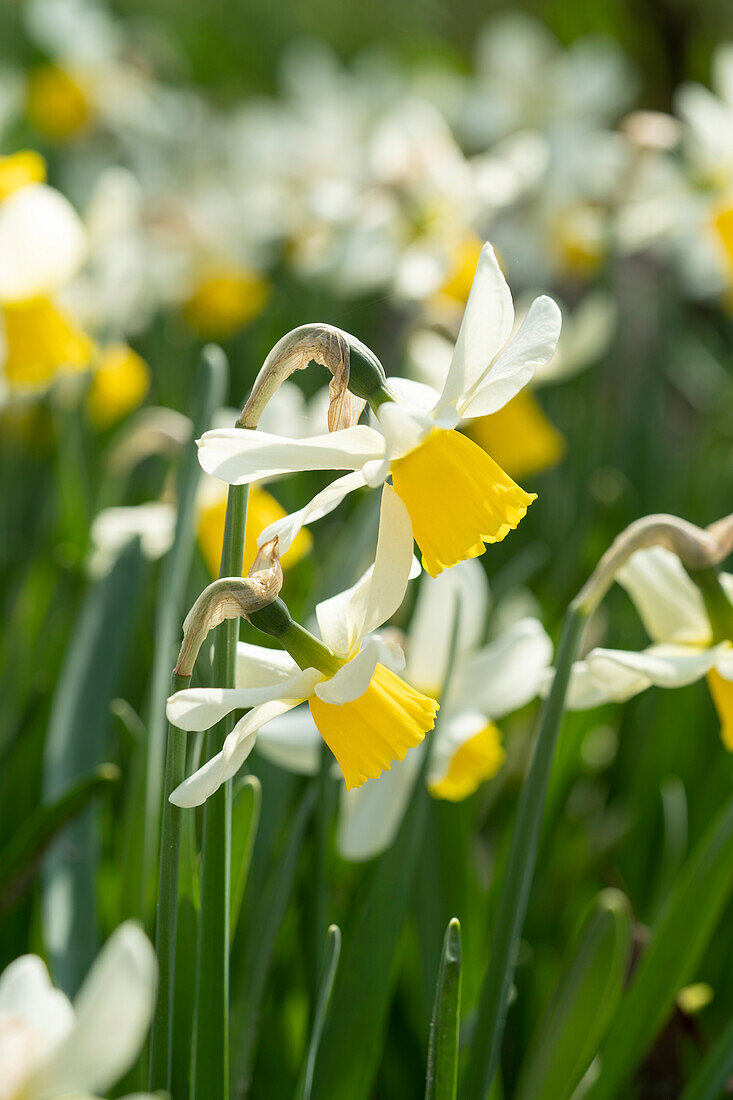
329 966
442 1075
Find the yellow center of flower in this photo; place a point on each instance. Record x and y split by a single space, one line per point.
463 263
119 383
226 300
262 510
723 227
578 241
519 436
58 102
41 340
478 759
19 170
722 693
457 497
367 734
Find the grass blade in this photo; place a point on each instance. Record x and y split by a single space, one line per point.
80 716
325 988
679 939
519 873
442 1075
709 1080
583 1004
245 819
20 857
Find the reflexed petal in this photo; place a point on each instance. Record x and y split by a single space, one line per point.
259 667
466 753
348 617
379 727
508 672
669 603
404 428
370 815
519 436
240 456
418 396
200 708
626 673
532 347
113 1011
287 528
224 766
292 742
458 499
485 329
353 679
431 625
42 243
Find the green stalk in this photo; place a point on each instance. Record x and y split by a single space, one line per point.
520 870
210 1053
161 1033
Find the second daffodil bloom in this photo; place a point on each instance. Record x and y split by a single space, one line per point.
42 246
686 643
457 497
366 714
50 1048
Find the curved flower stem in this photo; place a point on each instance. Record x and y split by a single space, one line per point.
520 870
161 1033
210 1076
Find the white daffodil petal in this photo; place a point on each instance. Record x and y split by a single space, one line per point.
416 395
240 457
464 587
583 693
292 742
42 243
370 815
507 673
200 708
485 329
287 528
351 681
348 617
28 997
154 523
404 428
224 766
533 346
665 666
113 1012
260 667
669 603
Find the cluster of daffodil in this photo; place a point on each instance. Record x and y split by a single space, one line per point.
439 489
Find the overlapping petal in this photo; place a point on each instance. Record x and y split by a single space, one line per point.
292 741
200 708
352 680
288 528
669 603
507 673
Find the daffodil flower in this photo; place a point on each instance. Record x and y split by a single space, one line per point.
489 682
684 648
363 710
457 497
42 246
51 1048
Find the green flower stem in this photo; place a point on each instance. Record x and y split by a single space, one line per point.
161 1033
210 1076
520 870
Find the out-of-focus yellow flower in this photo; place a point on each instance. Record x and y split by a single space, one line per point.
578 240
723 229
58 103
477 759
262 510
226 300
20 169
40 337
463 263
519 436
120 381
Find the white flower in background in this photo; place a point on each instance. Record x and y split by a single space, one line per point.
154 523
683 649
50 1048
42 247
519 436
366 714
489 682
457 497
